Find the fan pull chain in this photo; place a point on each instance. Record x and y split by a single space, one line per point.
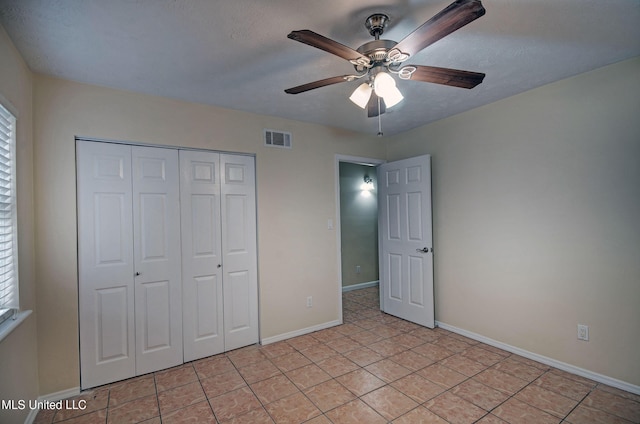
379 120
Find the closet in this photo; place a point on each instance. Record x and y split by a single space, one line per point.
167 259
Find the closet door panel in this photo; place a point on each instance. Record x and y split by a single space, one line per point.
201 257
208 322
239 288
158 288
111 306
237 213
239 250
105 263
154 217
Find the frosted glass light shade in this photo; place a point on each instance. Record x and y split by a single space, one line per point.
392 97
361 95
385 87
382 83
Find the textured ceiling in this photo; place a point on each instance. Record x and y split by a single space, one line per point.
236 54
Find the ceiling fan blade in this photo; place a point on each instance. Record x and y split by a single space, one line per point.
446 76
328 45
372 106
450 19
316 84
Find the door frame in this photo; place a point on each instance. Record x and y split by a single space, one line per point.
360 161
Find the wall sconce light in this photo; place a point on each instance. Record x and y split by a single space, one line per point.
367 186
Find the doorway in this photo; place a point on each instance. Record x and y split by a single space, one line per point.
405 284
357 224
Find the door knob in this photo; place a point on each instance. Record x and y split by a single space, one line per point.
137 274
423 250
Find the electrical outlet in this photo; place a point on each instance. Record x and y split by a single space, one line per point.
357 269
583 332
309 301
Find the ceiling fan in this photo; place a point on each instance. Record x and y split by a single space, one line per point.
375 60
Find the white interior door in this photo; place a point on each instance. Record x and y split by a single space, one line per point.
239 250
406 246
203 330
105 263
157 258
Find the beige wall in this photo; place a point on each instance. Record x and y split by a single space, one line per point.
295 189
536 219
18 352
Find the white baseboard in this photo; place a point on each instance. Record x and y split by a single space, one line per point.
32 416
619 384
301 332
359 286
52 397
63 394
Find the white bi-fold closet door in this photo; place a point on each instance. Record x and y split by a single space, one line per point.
165 276
219 269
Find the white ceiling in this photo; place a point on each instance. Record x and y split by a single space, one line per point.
236 54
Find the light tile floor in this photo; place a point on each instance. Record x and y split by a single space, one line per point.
374 368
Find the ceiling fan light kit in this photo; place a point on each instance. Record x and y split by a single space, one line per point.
376 60
383 85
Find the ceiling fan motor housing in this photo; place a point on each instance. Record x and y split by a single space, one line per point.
376 50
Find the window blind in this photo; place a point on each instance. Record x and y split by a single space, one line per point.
8 215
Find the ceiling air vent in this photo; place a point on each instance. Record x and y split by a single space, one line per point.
277 139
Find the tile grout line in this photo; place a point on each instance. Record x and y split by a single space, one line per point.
205 394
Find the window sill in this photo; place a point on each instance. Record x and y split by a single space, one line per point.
11 324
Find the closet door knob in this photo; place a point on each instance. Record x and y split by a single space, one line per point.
137 274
